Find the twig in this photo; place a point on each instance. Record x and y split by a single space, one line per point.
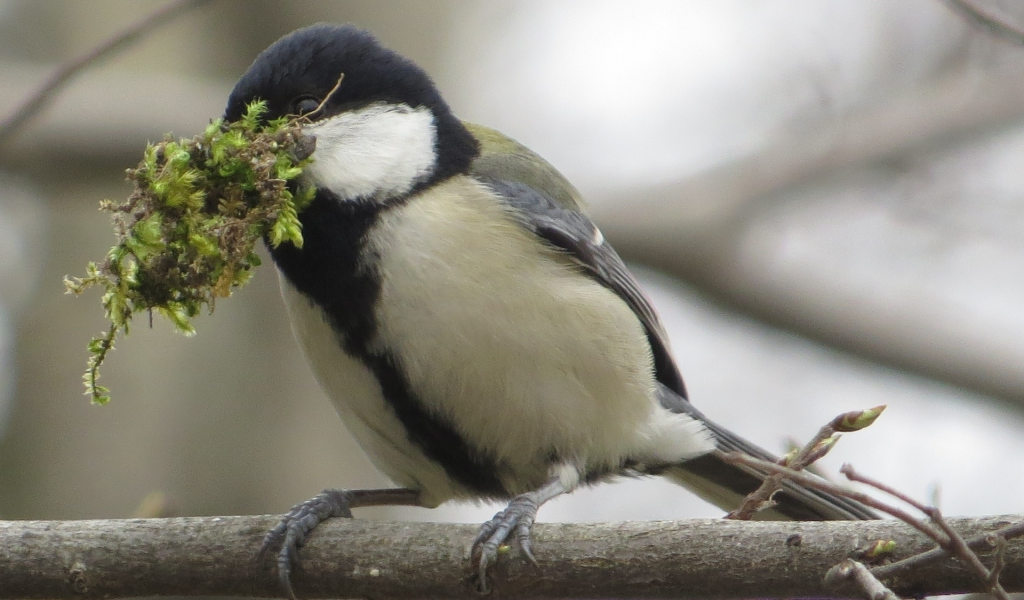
792 446
952 541
815 449
326 98
990 23
959 548
758 500
853 475
999 561
825 486
761 498
851 570
46 93
946 537
901 566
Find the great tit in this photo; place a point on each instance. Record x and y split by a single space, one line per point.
471 325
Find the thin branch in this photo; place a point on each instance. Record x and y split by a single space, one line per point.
947 538
853 475
851 570
48 91
219 556
832 488
981 542
958 547
758 500
950 540
812 451
999 562
990 23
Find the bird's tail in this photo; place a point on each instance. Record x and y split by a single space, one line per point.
726 485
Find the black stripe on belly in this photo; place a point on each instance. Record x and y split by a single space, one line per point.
327 270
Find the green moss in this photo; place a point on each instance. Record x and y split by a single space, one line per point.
188 232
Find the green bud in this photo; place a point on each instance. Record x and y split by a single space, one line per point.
880 549
820 449
857 420
788 458
826 444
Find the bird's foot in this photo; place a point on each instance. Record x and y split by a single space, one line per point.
296 526
516 519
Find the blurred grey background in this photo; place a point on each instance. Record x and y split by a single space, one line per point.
824 198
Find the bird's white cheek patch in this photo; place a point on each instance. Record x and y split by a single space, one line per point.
379 151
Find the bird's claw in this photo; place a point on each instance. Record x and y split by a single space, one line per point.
517 519
296 526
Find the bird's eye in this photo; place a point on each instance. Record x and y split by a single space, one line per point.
304 106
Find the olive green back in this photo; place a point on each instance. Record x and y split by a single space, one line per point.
502 158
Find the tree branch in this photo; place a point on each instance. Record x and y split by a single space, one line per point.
992 24
803 457
854 571
687 559
695 229
988 542
34 104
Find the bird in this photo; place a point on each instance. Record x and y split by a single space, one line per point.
472 327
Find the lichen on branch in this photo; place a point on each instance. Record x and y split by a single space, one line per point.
187 234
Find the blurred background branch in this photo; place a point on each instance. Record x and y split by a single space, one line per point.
38 101
997 26
695 229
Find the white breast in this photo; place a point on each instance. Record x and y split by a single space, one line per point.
502 337
357 397
526 356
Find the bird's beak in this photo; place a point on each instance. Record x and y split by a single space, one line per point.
305 147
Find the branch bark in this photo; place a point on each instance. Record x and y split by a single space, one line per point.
219 556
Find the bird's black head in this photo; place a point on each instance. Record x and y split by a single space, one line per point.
306 64
372 129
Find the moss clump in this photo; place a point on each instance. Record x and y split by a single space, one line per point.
187 234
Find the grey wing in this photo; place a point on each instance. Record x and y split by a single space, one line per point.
574 233
712 478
